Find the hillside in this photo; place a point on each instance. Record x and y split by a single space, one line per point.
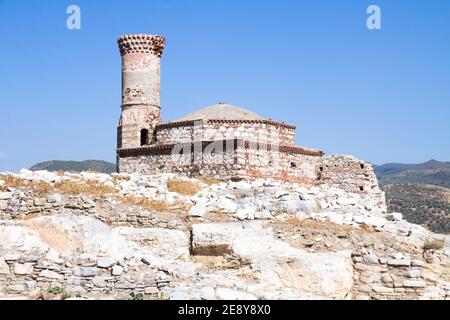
76 166
431 172
420 191
423 204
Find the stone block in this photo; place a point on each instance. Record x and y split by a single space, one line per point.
23 268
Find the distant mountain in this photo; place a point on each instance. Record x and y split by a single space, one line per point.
420 191
76 166
431 172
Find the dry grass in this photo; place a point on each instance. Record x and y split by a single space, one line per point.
186 188
151 205
315 224
433 245
38 187
117 178
41 188
210 181
90 187
11 181
445 275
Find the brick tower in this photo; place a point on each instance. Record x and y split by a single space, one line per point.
141 55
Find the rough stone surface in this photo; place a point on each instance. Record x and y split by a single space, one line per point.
256 239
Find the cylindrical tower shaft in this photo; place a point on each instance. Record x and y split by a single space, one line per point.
140 88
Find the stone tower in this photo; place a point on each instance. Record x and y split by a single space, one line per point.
141 55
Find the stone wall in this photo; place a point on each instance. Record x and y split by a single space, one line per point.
226 159
352 175
211 130
381 275
250 162
27 273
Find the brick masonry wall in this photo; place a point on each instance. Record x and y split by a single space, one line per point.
352 175
211 130
140 87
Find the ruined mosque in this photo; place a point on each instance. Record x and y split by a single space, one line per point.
221 141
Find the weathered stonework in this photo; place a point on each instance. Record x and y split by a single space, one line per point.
221 141
131 236
140 87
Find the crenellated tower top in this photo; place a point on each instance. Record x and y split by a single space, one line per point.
146 43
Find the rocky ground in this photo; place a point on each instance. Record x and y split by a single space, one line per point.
90 235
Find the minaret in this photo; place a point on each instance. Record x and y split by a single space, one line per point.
141 55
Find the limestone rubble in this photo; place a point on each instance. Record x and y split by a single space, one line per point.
125 236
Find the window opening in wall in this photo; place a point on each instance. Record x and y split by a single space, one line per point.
293 165
144 137
362 166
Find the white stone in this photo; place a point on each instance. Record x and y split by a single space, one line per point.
344 201
198 210
11 257
336 218
39 202
414 283
23 268
397 255
5 195
3 204
399 262
294 206
117 270
229 294
85 271
371 258
153 261
4 268
105 262
151 290
54 198
52 255
245 212
16 287
413 273
51 275
227 205
417 263
207 293
280 193
325 274
99 282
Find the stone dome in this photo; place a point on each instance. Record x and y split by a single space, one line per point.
221 111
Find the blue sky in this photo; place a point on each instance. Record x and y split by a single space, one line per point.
382 95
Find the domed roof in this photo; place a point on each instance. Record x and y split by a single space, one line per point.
221 111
